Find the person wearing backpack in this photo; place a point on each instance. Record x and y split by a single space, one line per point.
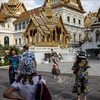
27 58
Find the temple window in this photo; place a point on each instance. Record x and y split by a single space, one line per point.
8 25
48 38
19 26
79 37
35 31
79 21
6 41
74 37
68 18
19 41
58 33
2 24
74 21
53 35
16 41
23 25
27 22
27 40
15 27
98 19
97 35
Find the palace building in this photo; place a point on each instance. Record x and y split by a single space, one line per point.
14 18
46 29
57 23
92 34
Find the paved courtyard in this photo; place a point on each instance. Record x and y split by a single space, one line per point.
61 89
66 67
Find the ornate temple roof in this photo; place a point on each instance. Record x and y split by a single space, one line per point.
26 15
86 38
88 20
45 25
12 9
96 24
2 18
74 4
13 2
98 13
46 21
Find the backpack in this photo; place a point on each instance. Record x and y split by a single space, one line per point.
42 92
27 59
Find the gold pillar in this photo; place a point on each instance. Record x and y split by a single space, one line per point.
50 40
28 36
64 39
36 36
45 38
39 37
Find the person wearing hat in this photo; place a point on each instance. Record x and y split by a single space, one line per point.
26 82
81 76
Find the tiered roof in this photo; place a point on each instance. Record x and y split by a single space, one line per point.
12 9
76 4
45 25
2 18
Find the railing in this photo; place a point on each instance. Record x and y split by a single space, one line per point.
91 44
76 43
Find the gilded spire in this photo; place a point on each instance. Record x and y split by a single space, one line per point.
13 2
49 1
48 9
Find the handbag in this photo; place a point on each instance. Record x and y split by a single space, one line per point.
42 92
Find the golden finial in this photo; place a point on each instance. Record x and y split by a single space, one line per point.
13 2
49 1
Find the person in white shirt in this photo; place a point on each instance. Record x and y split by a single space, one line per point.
26 83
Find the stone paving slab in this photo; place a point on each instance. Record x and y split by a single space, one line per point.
60 89
66 67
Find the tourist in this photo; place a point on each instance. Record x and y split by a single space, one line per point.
27 57
81 76
27 80
55 69
27 85
14 61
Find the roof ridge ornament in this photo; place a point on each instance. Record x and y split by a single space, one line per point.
48 9
13 2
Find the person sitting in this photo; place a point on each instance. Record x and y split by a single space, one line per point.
26 83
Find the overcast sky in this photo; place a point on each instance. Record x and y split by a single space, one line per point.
88 5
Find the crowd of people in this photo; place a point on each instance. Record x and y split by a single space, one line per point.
28 82
23 76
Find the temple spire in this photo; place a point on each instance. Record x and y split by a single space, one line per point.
48 9
13 2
